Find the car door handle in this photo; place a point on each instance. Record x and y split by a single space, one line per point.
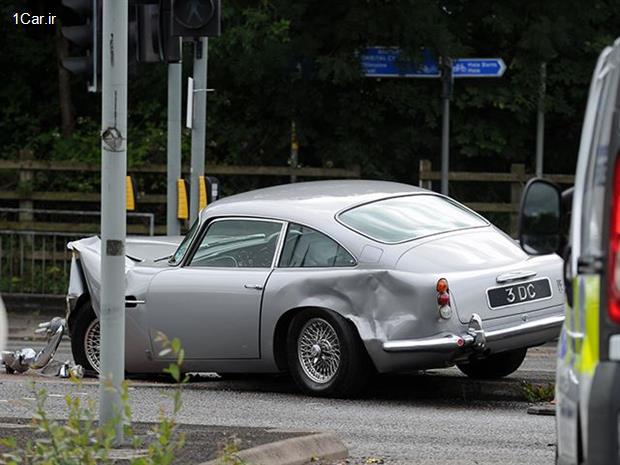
256 287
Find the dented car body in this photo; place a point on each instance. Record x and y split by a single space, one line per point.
314 267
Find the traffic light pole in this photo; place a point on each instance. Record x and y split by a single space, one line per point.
113 213
175 76
199 123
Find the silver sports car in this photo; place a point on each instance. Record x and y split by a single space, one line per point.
328 280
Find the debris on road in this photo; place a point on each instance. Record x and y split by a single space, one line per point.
22 360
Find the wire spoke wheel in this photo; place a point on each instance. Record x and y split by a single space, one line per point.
318 350
92 342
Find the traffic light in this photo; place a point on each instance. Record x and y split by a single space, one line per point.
86 37
195 18
154 43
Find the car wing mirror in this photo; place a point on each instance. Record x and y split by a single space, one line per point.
540 218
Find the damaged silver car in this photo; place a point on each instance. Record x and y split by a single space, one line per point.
328 280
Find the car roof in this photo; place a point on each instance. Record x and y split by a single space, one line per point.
308 200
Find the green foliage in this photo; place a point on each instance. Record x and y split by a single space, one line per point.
538 392
229 455
279 61
80 440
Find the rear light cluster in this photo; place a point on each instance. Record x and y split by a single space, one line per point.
613 280
443 298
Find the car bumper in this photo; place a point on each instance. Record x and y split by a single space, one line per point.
475 337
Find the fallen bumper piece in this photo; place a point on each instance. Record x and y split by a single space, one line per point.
22 360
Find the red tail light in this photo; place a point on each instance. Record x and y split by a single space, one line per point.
613 280
443 298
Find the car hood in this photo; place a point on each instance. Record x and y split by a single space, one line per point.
141 254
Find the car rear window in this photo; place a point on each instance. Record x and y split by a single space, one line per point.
401 219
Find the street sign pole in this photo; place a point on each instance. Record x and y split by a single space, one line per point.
113 212
540 124
199 123
175 77
446 94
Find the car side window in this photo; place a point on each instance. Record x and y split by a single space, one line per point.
238 243
307 248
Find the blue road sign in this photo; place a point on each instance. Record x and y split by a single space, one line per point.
386 62
478 67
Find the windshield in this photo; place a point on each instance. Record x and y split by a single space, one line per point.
187 240
403 219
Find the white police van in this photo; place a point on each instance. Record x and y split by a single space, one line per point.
588 365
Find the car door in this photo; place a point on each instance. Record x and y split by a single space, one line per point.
212 302
579 344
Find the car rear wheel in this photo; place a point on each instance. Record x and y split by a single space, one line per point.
325 355
494 366
85 340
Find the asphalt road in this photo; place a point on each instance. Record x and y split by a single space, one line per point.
388 426
393 424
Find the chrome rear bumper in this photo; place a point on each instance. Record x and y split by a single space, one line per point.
475 337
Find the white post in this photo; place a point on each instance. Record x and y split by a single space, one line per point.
113 211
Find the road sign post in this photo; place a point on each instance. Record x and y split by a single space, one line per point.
385 62
113 214
446 69
540 123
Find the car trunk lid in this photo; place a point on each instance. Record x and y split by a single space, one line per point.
487 272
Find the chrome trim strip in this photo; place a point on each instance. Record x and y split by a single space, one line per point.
279 245
452 342
446 343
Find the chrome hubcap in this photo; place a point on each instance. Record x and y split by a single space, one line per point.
318 350
92 341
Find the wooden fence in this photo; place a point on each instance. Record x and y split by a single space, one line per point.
516 178
26 167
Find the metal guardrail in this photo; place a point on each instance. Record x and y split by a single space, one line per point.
37 262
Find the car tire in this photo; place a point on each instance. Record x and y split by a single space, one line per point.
494 366
325 355
84 336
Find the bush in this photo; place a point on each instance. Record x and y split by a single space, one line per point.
80 440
